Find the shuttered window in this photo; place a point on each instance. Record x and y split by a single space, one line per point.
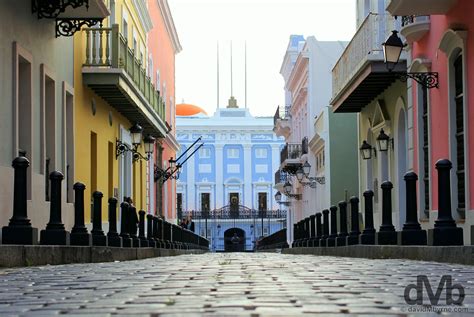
459 102
426 151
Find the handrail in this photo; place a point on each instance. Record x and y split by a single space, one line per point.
106 47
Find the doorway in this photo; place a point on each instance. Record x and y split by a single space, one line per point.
234 240
234 204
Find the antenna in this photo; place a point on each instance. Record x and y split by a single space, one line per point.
231 80
245 74
217 107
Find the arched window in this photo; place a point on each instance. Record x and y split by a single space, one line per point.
453 44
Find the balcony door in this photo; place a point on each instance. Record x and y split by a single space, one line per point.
125 167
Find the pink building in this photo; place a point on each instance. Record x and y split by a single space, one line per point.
440 39
163 44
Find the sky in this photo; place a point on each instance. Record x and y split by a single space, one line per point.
265 26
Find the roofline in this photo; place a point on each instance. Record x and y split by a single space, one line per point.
169 24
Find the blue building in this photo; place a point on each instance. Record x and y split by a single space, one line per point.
228 183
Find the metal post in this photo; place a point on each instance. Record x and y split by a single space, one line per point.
55 233
411 233
445 231
126 240
325 236
19 229
79 234
368 235
113 238
353 237
387 233
149 231
342 235
98 236
331 242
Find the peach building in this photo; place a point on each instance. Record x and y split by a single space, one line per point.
163 45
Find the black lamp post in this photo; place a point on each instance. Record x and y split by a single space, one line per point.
392 49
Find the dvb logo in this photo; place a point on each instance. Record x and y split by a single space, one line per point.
445 282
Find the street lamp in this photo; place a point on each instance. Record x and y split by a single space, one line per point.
287 187
278 196
136 133
136 136
306 168
392 49
383 140
149 143
303 172
299 174
366 150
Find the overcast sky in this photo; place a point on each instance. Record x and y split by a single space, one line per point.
266 26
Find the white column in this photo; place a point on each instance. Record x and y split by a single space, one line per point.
248 167
219 176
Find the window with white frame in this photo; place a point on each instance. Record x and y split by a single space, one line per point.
459 133
204 152
158 84
150 67
261 153
233 153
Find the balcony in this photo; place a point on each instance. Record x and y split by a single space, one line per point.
425 7
281 122
114 72
280 178
360 74
414 27
290 157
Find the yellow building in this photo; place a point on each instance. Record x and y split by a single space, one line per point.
112 92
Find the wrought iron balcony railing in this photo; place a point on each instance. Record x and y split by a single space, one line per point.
290 151
365 46
282 113
410 19
280 177
304 145
106 48
240 213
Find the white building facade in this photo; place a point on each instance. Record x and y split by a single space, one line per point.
235 166
312 133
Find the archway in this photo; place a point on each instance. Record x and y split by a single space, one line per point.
234 240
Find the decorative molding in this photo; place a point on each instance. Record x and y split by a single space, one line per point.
452 39
143 16
169 24
67 27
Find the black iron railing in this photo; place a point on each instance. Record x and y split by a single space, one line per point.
281 177
304 145
410 19
242 212
290 151
281 113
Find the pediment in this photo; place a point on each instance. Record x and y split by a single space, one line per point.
380 115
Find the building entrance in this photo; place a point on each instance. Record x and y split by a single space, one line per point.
234 240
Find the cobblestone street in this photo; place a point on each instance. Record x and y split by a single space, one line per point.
223 284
